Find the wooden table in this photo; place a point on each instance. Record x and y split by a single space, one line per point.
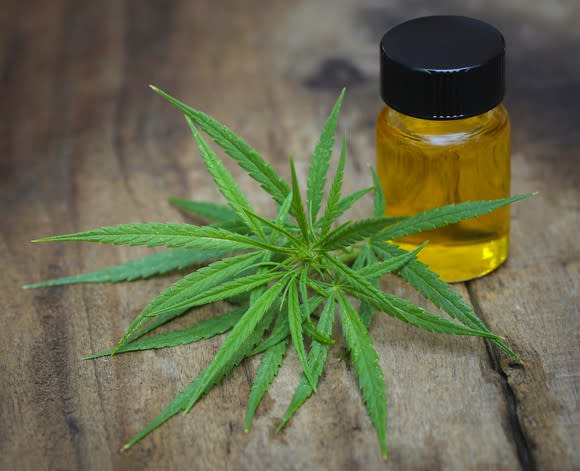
85 143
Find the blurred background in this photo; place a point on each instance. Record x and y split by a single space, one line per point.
77 70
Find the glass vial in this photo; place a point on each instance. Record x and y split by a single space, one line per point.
444 137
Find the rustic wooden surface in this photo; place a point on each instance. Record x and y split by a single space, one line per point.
84 143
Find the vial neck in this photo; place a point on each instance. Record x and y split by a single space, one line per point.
445 130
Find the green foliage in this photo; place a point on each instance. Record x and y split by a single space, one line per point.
165 235
297 206
351 232
317 359
226 290
197 388
332 209
225 181
281 330
240 333
320 161
445 215
367 260
295 319
315 334
282 270
206 210
204 330
267 371
379 206
376 269
366 364
349 200
236 148
193 285
439 293
360 287
140 268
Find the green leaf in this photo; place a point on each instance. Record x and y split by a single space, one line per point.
157 321
440 217
379 205
239 334
191 285
280 332
284 209
351 232
346 203
361 288
204 209
322 288
377 269
225 181
140 268
267 371
281 329
238 298
297 206
303 292
276 227
258 290
366 364
331 211
315 334
201 331
164 235
428 321
439 293
236 148
366 259
361 259
366 312
198 387
171 410
317 359
224 291
237 226
282 219
320 161
295 318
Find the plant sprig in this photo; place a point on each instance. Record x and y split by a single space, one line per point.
282 272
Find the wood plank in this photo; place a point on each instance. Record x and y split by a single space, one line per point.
87 144
534 298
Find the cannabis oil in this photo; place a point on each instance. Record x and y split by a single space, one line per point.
443 137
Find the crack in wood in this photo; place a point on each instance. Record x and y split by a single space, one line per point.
519 438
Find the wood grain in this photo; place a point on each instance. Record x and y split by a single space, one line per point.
84 143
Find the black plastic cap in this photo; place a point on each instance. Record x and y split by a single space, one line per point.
443 67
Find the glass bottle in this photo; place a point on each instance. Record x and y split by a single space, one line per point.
443 137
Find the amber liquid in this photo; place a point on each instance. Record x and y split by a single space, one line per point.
424 164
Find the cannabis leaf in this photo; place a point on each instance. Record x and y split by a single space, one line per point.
203 330
236 148
267 371
140 268
443 216
320 161
295 319
366 363
165 235
285 273
317 359
206 210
